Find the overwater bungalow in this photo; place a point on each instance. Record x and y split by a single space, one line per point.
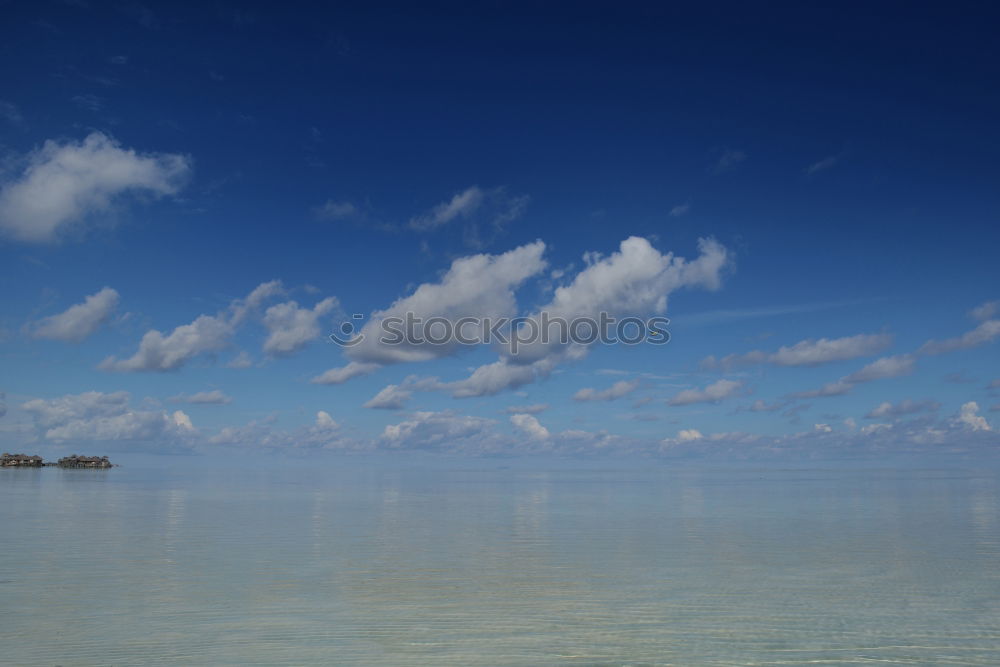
20 461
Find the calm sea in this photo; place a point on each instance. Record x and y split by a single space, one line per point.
371 562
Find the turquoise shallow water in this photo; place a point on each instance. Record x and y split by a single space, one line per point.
477 563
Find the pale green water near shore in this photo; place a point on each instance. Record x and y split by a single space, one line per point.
476 563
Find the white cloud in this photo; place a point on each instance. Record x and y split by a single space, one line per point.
822 165
291 327
969 417
533 409
207 333
985 311
823 428
838 388
166 353
10 113
214 397
637 280
501 375
825 350
440 430
982 334
96 416
679 210
886 367
474 205
334 210
615 391
64 184
344 373
689 435
880 369
392 397
530 426
634 281
324 433
324 420
809 352
763 406
905 407
242 308
242 360
479 285
463 204
78 321
729 159
713 393
88 101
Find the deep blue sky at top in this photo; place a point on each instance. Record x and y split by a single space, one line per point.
607 115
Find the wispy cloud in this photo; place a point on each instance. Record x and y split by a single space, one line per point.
679 210
614 392
214 397
822 165
712 317
809 352
485 213
335 210
728 160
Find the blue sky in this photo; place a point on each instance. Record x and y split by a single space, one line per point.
194 197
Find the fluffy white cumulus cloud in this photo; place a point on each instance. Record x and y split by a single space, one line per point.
78 321
476 286
291 327
324 420
615 391
635 281
391 397
501 375
65 183
969 417
159 352
689 435
713 393
530 426
809 352
96 416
